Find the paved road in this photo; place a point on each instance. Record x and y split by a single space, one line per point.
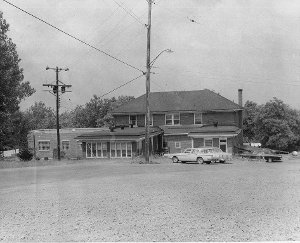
119 201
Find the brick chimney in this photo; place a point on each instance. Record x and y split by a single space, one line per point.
240 96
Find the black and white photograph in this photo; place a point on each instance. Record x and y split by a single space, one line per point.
149 120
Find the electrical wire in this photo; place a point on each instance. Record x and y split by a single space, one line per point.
83 42
122 85
130 12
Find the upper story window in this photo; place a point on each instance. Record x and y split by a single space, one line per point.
198 118
151 120
44 145
65 144
172 119
133 120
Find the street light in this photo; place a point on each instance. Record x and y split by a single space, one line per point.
166 50
149 66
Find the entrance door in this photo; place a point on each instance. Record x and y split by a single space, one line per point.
223 144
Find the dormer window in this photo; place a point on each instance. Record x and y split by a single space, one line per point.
133 120
197 118
173 119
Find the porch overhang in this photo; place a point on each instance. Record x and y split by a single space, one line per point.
118 134
210 135
216 131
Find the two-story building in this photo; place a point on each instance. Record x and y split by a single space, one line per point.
188 118
179 120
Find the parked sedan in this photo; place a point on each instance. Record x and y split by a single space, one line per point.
218 155
200 155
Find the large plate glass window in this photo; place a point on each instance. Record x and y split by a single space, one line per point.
96 149
121 149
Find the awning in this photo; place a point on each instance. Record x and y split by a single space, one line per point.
124 134
202 131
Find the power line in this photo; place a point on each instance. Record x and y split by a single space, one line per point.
121 85
83 42
130 12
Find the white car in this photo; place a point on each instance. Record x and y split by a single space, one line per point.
200 155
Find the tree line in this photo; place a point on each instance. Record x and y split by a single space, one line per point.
274 124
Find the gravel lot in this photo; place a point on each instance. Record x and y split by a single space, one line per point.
118 201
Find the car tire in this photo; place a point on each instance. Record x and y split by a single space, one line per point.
200 160
175 159
222 161
208 162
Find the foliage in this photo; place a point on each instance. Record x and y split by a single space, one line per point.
95 113
39 116
13 89
251 111
275 125
25 155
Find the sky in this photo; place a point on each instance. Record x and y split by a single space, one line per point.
221 45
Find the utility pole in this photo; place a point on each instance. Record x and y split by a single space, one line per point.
55 91
148 65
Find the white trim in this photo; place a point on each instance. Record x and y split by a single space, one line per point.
223 143
151 120
136 120
177 143
126 149
172 114
212 135
195 118
96 146
175 134
108 140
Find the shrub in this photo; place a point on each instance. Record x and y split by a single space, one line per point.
25 155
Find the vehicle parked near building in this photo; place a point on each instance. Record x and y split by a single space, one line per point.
264 154
200 155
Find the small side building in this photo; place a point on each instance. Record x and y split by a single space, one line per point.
120 142
43 142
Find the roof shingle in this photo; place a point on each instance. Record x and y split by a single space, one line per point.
197 100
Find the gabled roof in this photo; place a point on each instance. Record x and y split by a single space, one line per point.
197 100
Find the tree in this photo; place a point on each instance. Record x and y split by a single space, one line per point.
38 116
277 126
249 126
13 89
96 113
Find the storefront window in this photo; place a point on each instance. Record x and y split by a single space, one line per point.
121 150
118 149
104 149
